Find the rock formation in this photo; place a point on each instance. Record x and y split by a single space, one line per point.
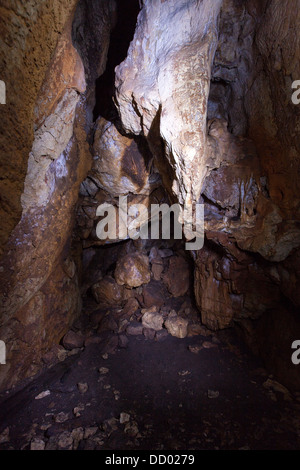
202 113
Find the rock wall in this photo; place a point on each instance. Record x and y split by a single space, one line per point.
40 295
212 95
29 33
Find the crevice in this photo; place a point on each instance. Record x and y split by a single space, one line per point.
121 36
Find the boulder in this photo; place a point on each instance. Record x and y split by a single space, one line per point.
153 320
177 277
72 340
176 326
108 292
154 294
133 270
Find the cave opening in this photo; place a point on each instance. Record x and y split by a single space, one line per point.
120 38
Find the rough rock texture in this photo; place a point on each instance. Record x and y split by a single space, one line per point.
177 276
29 33
40 294
152 320
118 166
162 87
176 326
133 270
108 292
215 103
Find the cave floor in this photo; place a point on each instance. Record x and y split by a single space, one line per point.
171 394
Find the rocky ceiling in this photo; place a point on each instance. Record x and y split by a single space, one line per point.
199 111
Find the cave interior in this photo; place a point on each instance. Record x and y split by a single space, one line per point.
136 342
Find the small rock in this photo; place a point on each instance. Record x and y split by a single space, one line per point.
195 348
44 427
104 356
132 429
108 292
65 441
110 425
155 294
157 269
130 307
37 444
123 341
42 395
77 410
103 370
196 329
62 353
183 373
93 340
73 340
82 387
209 345
152 320
89 432
213 393
277 387
149 333
61 417
134 329
108 324
111 345
161 335
152 309
176 325
4 436
117 395
124 418
177 276
77 436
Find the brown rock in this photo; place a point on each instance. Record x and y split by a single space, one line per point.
118 166
130 307
73 340
177 277
176 326
152 320
154 294
108 292
195 329
149 333
209 345
82 387
110 345
108 323
134 329
123 341
142 95
157 270
161 335
132 270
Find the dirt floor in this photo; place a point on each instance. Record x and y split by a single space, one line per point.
127 392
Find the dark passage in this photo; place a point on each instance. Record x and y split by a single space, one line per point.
121 37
